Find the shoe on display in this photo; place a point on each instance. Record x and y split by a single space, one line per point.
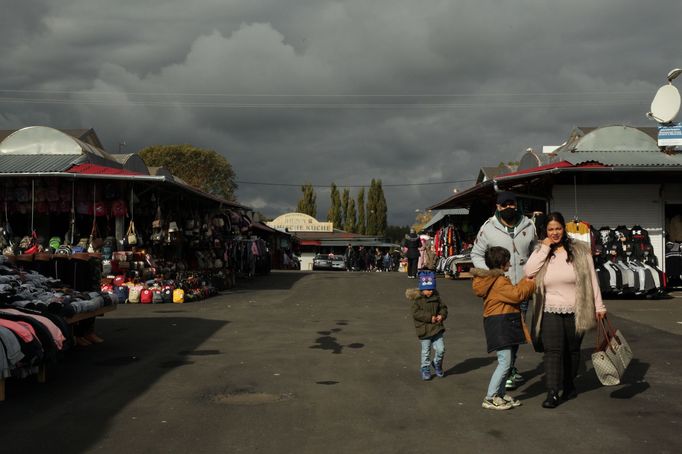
496 403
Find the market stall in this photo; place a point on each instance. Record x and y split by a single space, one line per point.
63 196
82 230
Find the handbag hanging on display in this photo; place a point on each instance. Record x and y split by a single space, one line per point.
95 241
612 354
131 235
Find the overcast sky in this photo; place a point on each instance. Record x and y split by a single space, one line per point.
321 91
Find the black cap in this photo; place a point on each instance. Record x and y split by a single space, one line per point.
506 196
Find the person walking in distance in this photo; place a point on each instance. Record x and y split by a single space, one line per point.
412 243
348 257
510 229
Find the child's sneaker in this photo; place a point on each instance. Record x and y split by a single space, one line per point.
426 373
511 400
439 370
516 376
496 403
514 379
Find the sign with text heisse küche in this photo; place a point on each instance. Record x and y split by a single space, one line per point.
300 222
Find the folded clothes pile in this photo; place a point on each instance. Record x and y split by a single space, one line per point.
32 290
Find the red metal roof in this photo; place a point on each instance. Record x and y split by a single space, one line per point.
93 169
554 165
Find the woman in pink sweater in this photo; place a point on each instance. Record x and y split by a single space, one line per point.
567 303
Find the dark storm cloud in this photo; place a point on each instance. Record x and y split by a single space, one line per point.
345 91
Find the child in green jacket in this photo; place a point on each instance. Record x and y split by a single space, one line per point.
429 312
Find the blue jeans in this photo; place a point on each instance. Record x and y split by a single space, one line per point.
505 358
435 342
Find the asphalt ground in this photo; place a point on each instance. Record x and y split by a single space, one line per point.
327 362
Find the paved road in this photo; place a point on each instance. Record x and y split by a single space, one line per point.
328 362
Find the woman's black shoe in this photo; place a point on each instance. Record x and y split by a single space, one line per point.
569 394
552 400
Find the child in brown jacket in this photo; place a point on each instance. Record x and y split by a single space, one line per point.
502 322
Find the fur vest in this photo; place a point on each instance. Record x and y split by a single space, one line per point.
585 317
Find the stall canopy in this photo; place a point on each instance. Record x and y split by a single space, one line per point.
443 214
39 151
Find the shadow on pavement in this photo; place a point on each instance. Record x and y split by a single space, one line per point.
633 382
276 280
470 364
88 388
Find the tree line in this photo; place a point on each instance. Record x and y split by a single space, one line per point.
209 171
366 217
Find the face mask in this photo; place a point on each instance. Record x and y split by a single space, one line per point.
508 215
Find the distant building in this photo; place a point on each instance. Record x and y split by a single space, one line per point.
314 237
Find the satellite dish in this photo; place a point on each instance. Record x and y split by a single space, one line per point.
666 104
673 74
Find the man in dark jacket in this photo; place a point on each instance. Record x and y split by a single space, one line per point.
412 243
510 229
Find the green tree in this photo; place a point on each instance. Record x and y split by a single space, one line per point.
396 233
334 214
308 202
345 196
350 219
381 210
372 227
362 220
421 219
260 217
202 168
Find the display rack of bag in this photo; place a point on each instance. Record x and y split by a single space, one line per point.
673 263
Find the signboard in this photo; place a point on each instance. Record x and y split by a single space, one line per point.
670 135
299 222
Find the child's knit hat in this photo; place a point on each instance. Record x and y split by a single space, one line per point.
427 280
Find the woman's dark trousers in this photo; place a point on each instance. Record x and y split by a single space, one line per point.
412 267
562 350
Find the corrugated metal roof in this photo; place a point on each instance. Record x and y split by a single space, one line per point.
624 158
85 135
617 138
132 161
618 146
94 169
488 173
442 213
38 164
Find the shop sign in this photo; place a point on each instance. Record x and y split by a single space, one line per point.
670 135
299 222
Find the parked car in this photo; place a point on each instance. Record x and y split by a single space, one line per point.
329 262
